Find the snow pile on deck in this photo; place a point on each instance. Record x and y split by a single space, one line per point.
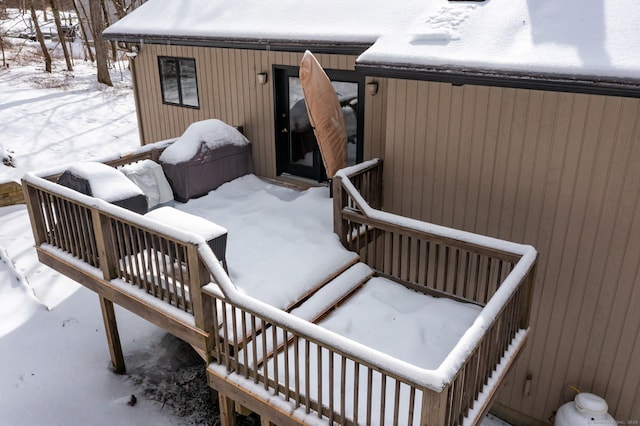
211 133
276 250
416 328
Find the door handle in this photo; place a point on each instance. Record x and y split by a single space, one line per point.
284 130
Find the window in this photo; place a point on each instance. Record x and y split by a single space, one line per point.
178 81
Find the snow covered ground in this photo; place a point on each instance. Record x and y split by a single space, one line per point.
54 360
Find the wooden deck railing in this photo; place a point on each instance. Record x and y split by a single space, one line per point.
129 251
446 263
164 275
311 368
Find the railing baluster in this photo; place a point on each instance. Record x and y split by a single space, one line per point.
343 384
383 399
181 271
296 370
245 355
265 359
75 234
319 377
307 374
216 329
396 404
173 284
255 349
285 352
467 279
140 262
487 281
225 331
62 212
456 261
164 245
356 390
412 402
436 267
274 357
369 394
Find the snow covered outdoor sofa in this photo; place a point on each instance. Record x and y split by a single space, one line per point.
313 361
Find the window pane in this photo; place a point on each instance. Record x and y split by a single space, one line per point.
348 96
303 140
188 82
169 79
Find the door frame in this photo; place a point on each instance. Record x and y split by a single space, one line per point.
282 137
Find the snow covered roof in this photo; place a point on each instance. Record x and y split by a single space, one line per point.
326 22
583 39
586 40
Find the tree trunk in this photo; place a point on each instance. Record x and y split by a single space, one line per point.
107 21
85 34
4 60
40 37
119 7
101 49
61 35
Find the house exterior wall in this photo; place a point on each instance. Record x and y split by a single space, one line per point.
559 171
228 90
556 170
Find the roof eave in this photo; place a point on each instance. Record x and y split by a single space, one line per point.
317 46
519 80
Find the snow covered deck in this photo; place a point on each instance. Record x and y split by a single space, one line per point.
384 321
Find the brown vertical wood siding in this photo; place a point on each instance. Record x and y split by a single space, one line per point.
228 90
556 170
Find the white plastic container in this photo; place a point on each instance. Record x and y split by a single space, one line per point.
586 409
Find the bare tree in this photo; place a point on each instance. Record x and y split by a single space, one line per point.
84 31
3 13
107 22
2 42
118 5
101 50
40 38
61 34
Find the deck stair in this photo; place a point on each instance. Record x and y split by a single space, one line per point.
325 297
332 293
337 275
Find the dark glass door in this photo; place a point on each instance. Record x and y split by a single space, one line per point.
297 150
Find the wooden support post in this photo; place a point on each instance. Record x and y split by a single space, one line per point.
35 213
202 305
227 410
339 225
434 407
531 278
113 338
378 175
103 233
